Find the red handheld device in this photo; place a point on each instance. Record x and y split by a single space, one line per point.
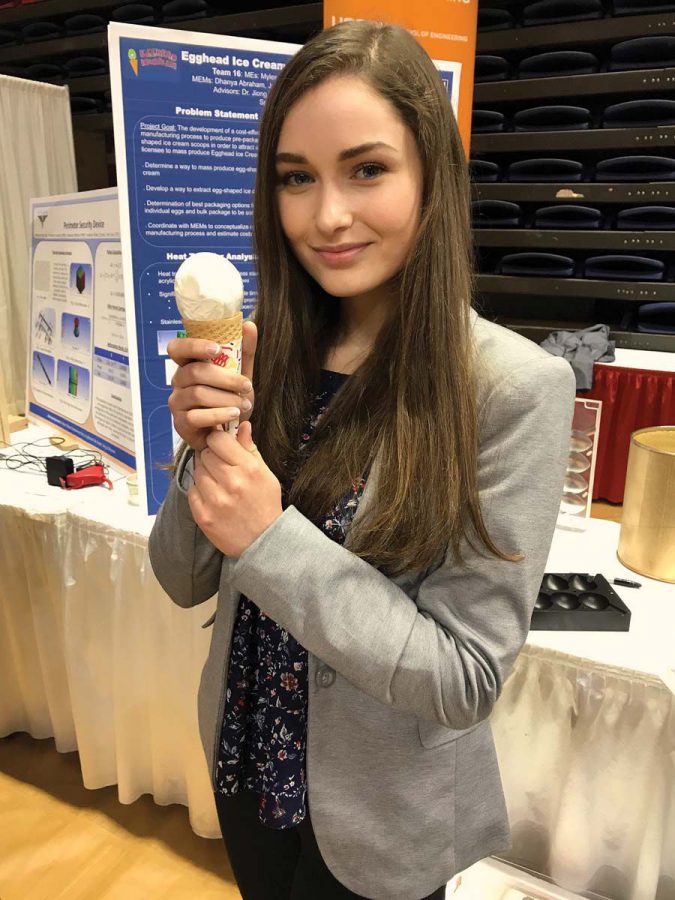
85 478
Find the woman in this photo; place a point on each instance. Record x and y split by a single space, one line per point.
378 551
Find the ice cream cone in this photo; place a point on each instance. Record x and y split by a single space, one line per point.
226 332
134 65
222 331
208 290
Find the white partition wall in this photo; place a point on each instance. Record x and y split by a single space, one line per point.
37 160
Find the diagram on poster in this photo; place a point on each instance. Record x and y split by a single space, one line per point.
78 373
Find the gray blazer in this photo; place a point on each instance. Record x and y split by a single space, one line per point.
404 788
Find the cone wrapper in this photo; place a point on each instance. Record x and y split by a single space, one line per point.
228 333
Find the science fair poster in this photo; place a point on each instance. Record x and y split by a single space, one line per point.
186 110
78 359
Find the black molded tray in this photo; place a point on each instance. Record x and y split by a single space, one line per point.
576 601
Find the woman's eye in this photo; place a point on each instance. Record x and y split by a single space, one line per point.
364 172
295 179
371 170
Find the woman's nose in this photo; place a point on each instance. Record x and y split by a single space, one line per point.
333 211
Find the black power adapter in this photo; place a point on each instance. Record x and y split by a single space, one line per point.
57 468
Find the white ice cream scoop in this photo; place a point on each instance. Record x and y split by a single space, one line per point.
208 287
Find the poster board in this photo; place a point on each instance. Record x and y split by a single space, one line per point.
445 28
78 365
186 108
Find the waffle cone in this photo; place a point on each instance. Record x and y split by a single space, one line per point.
220 330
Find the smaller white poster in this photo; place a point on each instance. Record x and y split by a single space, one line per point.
78 364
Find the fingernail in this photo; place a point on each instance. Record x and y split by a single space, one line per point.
213 349
247 387
232 411
246 405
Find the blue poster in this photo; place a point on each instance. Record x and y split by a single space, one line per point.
78 367
186 108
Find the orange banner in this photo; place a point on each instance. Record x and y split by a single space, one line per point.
445 28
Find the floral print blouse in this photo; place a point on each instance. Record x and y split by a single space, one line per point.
263 735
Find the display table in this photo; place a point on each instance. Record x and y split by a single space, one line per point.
93 653
637 391
585 734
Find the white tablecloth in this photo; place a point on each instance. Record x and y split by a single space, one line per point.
93 653
656 360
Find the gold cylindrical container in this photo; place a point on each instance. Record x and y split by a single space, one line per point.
647 537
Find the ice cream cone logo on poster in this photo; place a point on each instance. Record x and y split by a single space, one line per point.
133 60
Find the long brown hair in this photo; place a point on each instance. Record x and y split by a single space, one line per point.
414 396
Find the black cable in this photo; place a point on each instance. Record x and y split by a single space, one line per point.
21 458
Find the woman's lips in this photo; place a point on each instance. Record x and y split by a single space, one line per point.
341 257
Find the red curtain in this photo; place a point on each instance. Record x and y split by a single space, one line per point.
631 399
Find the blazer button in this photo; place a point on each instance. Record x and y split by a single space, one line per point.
325 676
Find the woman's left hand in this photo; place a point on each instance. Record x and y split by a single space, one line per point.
235 496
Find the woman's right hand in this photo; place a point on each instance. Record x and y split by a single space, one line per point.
204 395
